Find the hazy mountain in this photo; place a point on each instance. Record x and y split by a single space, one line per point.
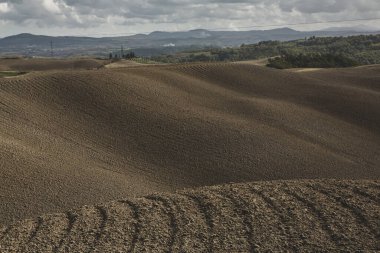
151 44
358 28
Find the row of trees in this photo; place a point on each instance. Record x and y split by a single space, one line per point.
327 51
311 61
129 55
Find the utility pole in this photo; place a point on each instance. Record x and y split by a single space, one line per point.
51 48
122 52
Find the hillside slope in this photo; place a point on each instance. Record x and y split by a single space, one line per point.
44 64
295 216
72 138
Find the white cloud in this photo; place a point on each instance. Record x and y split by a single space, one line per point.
51 6
4 7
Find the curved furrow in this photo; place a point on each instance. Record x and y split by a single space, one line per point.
102 212
316 214
365 217
38 226
344 200
203 208
170 210
263 221
48 235
242 209
375 186
70 220
20 230
284 228
33 234
117 232
84 231
293 216
345 217
228 226
361 190
301 228
136 224
155 232
193 231
367 194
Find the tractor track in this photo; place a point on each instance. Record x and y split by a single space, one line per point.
159 223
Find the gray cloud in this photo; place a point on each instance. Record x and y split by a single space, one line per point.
330 6
113 15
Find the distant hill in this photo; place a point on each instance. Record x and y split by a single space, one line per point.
310 52
154 43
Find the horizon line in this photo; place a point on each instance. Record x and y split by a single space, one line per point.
109 35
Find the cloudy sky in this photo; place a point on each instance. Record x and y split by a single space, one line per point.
119 17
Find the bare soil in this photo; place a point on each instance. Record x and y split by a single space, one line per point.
75 137
47 64
283 216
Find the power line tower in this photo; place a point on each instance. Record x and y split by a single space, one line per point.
51 49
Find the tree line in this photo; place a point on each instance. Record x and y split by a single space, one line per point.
128 56
312 51
311 60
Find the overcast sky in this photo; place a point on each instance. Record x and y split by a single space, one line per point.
118 17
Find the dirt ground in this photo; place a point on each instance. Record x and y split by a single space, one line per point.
284 216
75 137
47 64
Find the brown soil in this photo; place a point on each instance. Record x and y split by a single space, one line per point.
45 64
70 138
284 216
123 64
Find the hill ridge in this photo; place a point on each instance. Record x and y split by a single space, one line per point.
74 137
246 217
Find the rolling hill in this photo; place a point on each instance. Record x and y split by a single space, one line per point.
47 64
291 216
77 137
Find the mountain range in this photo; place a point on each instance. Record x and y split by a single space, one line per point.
155 43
